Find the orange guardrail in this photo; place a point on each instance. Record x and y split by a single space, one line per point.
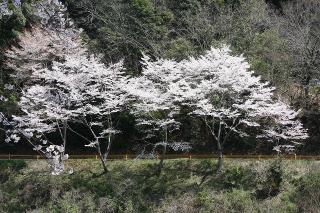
168 156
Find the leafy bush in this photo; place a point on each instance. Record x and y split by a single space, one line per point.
186 203
232 201
131 186
73 201
15 165
7 167
270 186
237 177
180 49
307 195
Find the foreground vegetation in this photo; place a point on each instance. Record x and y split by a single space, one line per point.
183 186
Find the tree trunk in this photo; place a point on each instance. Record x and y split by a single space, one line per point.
102 158
220 157
306 97
160 166
164 152
65 126
109 145
105 170
220 161
106 154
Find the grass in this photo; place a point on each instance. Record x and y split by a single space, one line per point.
183 186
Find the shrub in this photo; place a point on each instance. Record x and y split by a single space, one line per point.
14 165
307 195
107 204
232 201
270 186
180 49
237 177
184 204
74 201
7 167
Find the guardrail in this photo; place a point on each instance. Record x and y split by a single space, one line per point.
168 156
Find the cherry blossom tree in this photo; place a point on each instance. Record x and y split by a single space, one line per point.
33 125
154 106
219 89
39 47
44 104
78 89
51 39
97 96
63 84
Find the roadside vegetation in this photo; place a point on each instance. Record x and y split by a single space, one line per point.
183 186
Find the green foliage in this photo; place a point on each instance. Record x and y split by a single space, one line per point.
232 201
180 49
144 8
7 167
275 173
73 201
271 185
15 165
132 186
179 29
237 177
10 27
307 195
184 6
269 57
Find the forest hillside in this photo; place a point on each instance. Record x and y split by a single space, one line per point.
279 39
